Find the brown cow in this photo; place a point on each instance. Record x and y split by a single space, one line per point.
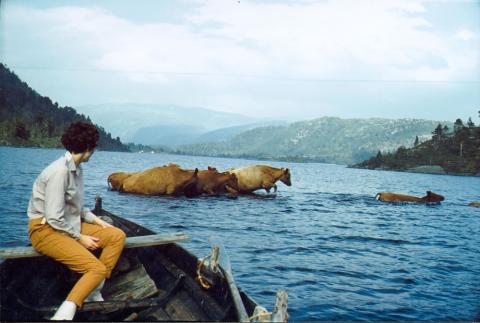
165 180
212 182
475 204
254 177
395 197
115 180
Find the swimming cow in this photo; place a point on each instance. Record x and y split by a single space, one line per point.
164 180
116 179
254 177
395 197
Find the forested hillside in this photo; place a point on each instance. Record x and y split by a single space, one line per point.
30 120
327 139
450 151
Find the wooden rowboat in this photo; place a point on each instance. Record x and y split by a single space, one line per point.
154 280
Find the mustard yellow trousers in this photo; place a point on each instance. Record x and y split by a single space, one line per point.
63 248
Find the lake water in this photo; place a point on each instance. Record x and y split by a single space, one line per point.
340 254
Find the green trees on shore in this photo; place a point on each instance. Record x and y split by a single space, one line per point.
457 151
30 120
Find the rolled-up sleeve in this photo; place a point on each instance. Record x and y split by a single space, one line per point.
55 189
87 215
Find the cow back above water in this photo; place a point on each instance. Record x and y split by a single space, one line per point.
254 177
165 180
213 182
430 197
475 204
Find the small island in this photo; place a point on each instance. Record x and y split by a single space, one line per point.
453 152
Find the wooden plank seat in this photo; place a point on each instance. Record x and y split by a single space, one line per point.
131 242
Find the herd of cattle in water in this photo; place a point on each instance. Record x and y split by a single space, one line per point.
171 179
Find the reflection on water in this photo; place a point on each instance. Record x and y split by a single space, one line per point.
340 254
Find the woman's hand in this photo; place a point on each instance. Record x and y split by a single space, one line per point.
89 242
102 223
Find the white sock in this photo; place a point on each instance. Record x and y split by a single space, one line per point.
65 312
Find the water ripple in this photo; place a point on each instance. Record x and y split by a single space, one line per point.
369 239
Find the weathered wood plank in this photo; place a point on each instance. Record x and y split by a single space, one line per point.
237 299
280 313
134 284
111 306
183 308
203 299
155 240
131 242
154 314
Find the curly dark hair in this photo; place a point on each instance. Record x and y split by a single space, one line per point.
80 137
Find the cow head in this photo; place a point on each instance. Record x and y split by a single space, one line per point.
232 183
286 177
432 197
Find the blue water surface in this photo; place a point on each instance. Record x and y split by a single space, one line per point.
340 254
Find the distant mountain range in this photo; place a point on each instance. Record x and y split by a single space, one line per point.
199 131
327 139
228 133
162 124
29 119
175 135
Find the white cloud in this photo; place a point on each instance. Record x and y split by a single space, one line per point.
327 39
322 39
220 52
465 34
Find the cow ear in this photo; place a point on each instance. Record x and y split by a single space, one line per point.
429 193
196 171
287 170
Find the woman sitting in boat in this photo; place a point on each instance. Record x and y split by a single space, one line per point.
61 228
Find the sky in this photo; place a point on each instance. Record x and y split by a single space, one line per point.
289 60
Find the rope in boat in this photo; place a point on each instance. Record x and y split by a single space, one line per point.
201 280
262 312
